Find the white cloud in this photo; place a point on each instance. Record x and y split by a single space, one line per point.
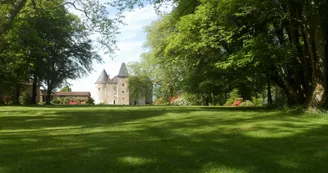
129 46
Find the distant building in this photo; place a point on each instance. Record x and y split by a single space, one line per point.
56 95
115 91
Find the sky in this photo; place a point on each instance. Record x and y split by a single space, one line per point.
130 43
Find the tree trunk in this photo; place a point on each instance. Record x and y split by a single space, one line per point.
206 101
1 92
48 97
291 98
34 89
213 101
171 93
17 94
318 97
320 94
324 103
269 93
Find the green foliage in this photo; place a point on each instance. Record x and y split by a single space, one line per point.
280 99
257 101
66 89
247 103
62 100
78 100
47 42
140 86
233 96
90 101
192 99
221 45
181 101
95 14
161 101
56 101
25 98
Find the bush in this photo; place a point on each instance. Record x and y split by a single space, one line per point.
233 95
7 100
161 101
247 103
56 101
257 101
193 99
25 98
236 103
66 100
181 102
90 100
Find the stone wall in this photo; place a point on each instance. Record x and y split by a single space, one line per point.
123 91
111 94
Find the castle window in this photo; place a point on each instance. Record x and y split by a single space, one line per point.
122 91
122 98
99 89
123 84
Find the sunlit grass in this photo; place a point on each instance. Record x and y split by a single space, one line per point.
160 139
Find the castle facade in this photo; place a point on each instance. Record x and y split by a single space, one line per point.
113 91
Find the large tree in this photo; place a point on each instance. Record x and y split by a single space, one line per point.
69 51
46 45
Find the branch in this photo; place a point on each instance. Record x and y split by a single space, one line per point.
76 8
12 15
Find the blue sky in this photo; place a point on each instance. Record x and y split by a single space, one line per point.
130 44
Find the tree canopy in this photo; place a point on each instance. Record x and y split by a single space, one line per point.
46 45
214 46
66 89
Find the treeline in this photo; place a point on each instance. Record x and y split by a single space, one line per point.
210 47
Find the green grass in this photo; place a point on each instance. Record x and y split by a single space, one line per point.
160 140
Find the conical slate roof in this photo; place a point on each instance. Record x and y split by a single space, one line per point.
103 78
123 71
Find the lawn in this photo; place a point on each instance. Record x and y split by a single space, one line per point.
160 140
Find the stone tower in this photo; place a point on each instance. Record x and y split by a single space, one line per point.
101 88
122 86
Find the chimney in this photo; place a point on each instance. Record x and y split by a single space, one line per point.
108 77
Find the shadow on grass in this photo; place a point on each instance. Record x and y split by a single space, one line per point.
150 140
98 116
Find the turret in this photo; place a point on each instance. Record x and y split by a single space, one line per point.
122 86
123 71
100 87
